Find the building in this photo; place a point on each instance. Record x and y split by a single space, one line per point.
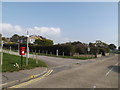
31 39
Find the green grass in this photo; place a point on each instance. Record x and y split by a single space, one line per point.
10 60
72 57
11 50
75 57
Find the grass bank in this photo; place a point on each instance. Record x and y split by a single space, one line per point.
10 60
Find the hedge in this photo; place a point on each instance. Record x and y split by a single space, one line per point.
67 49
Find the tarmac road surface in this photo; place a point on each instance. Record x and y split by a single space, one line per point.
98 74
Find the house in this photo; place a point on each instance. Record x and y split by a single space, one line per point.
22 40
31 39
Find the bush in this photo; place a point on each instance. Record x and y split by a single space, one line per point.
43 42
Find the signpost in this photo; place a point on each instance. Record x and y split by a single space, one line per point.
22 52
27 49
1 52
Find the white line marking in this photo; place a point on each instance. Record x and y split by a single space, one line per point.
94 86
110 70
116 64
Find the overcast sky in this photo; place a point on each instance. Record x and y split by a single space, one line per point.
62 21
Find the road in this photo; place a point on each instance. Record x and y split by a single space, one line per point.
70 73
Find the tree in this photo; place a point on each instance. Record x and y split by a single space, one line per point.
45 42
103 47
4 39
112 46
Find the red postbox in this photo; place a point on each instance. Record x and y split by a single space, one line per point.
22 51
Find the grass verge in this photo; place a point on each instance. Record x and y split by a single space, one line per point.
10 60
71 57
75 57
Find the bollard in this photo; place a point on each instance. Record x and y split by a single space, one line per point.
33 55
46 52
10 49
51 53
57 52
36 59
42 51
63 53
39 51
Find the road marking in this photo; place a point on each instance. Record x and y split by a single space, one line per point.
110 70
94 86
116 64
41 73
33 80
33 76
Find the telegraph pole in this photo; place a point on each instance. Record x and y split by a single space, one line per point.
27 49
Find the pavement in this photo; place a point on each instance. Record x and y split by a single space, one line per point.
12 78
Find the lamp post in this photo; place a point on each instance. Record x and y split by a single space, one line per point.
27 49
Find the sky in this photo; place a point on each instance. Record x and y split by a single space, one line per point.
62 21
